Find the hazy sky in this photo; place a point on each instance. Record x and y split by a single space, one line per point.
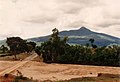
32 18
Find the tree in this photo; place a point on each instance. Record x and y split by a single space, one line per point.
17 45
52 48
30 46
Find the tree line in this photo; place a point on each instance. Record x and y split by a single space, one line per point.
57 50
17 45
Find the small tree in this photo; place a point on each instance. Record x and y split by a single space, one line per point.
17 45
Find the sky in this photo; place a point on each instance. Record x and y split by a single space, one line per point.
34 18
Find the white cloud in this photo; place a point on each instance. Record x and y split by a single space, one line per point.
30 18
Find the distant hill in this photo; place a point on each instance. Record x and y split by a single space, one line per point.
82 36
3 42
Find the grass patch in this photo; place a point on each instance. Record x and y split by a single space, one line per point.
9 57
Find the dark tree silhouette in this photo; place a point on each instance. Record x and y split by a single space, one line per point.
30 46
92 43
16 45
52 48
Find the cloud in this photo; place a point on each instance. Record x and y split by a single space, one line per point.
77 24
14 1
30 18
90 2
41 19
112 30
71 9
108 23
75 6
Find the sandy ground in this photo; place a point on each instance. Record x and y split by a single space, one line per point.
19 64
42 71
6 64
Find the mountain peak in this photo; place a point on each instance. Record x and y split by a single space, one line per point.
84 29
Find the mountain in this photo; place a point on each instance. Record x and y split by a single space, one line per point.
3 42
82 36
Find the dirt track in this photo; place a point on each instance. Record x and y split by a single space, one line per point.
15 66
